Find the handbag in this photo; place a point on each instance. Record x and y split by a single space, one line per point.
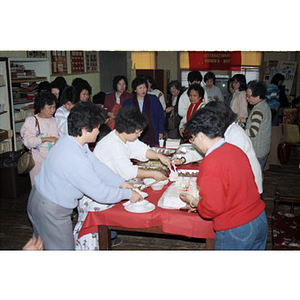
26 162
173 121
283 150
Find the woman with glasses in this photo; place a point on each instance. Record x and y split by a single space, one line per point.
227 190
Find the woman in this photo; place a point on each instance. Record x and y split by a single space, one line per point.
82 90
151 107
235 135
113 101
172 127
57 87
272 96
259 123
196 94
40 132
68 100
213 92
153 90
230 90
69 172
115 150
227 190
239 103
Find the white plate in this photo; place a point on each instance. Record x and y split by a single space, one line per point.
140 210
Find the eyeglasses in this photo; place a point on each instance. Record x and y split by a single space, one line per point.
139 133
192 140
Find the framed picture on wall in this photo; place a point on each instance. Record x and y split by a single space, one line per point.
37 54
91 60
77 61
59 62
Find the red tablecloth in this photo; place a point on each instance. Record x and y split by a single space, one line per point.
172 221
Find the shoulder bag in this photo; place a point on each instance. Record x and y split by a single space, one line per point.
26 162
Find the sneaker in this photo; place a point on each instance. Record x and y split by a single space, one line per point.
118 241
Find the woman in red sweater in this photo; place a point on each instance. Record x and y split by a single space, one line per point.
227 189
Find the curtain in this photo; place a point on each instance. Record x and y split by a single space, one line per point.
143 59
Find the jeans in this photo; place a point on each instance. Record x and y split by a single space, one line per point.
251 236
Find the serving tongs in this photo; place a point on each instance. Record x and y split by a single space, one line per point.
174 174
156 181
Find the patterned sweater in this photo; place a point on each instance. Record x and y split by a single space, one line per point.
272 96
258 128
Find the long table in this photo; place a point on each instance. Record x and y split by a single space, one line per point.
160 221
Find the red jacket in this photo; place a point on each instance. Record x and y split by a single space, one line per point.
228 189
110 100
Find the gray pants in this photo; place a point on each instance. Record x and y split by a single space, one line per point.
51 221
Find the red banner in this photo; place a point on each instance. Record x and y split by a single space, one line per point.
215 60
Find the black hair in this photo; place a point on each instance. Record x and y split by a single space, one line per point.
296 101
176 84
99 98
276 78
153 82
44 86
129 119
258 88
138 81
210 75
42 99
241 79
197 87
223 110
80 85
208 122
117 79
84 115
69 94
104 130
194 76
228 84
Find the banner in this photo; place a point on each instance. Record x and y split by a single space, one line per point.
215 60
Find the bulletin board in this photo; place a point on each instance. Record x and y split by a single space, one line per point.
91 59
77 62
59 62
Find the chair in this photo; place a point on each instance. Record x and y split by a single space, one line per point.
285 225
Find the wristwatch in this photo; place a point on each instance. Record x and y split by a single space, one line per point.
183 158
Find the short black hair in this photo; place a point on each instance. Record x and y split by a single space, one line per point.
258 88
80 85
69 94
84 115
99 98
223 110
138 81
194 76
241 79
276 78
44 86
42 99
197 87
153 82
117 79
210 75
129 119
176 84
208 122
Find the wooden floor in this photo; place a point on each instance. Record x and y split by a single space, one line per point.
16 230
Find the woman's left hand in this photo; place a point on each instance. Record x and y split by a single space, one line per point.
187 199
165 160
126 185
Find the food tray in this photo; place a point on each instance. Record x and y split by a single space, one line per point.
184 148
163 150
187 173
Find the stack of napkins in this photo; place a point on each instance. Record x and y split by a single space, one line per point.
172 143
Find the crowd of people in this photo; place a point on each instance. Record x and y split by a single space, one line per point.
83 146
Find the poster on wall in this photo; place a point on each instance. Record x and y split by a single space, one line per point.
59 62
37 54
77 62
288 70
91 61
271 69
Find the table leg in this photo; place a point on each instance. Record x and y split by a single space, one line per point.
210 244
104 237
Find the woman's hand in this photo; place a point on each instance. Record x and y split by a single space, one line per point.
187 199
243 120
126 185
165 160
178 161
168 109
181 132
158 175
111 115
135 197
34 244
